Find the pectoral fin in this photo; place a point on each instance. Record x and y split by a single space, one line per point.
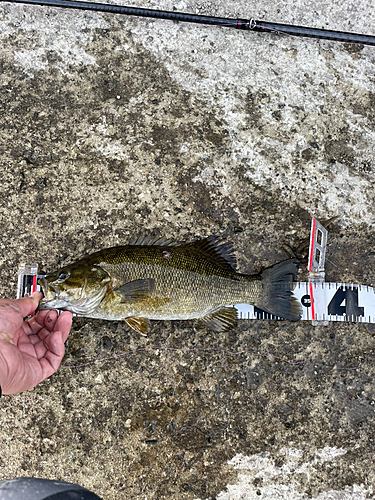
137 290
222 320
141 325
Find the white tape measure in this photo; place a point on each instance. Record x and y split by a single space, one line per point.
324 302
321 302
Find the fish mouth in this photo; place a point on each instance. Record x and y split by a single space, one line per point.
47 289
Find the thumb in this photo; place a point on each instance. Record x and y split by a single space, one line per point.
27 305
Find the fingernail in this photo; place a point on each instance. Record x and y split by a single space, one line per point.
34 294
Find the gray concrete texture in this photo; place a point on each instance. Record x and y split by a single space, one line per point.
113 127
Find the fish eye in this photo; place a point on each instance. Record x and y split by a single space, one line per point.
63 276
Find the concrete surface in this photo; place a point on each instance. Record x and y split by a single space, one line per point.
113 127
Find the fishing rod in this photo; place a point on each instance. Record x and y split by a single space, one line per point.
241 24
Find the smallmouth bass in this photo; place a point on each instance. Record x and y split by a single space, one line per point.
161 280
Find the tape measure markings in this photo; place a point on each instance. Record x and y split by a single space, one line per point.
316 298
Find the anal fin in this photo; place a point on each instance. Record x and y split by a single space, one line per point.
222 320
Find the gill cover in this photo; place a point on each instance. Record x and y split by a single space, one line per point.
76 289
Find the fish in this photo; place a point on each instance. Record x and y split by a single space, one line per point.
159 279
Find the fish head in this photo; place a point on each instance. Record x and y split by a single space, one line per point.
75 288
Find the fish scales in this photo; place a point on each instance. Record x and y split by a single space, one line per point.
183 294
141 282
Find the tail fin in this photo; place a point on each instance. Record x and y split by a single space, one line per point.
278 287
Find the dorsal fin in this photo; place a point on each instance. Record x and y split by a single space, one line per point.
216 249
159 241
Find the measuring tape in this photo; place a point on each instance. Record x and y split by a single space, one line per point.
321 302
325 302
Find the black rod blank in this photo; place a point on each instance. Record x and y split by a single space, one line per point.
243 24
335 36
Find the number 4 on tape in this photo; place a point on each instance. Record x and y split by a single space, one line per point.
324 302
334 301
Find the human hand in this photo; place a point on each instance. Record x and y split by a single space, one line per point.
30 351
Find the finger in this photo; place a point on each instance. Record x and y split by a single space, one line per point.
26 346
40 336
47 319
64 324
47 369
42 319
31 339
55 350
50 320
12 313
40 349
53 342
26 305
43 333
49 345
